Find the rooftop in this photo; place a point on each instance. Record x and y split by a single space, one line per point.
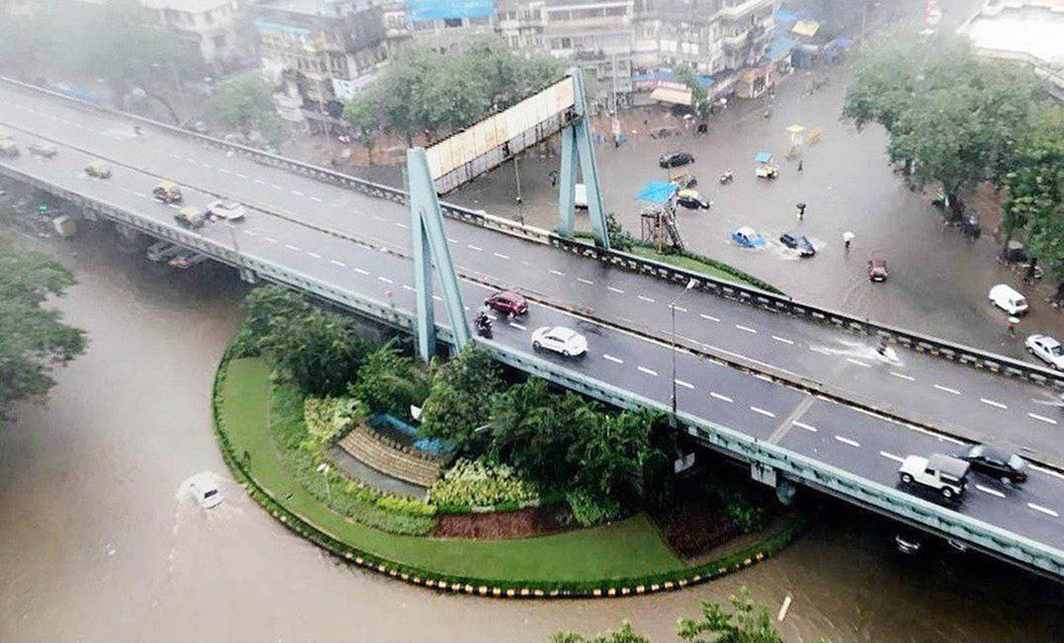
192 6
1032 29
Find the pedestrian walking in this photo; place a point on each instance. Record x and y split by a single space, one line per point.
1012 325
553 178
847 239
801 210
800 162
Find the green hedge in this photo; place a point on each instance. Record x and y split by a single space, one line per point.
473 585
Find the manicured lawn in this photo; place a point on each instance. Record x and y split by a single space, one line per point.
630 548
687 263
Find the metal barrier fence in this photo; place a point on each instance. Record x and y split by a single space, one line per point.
956 352
791 465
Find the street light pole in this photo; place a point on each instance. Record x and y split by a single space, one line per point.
672 309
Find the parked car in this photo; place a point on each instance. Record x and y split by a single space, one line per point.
203 489
747 237
1008 299
798 242
944 474
877 269
692 200
507 303
996 463
186 260
167 192
228 210
559 339
191 217
163 251
98 169
675 159
40 148
1046 349
8 149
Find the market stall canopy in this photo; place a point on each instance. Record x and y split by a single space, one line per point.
670 95
806 28
657 192
763 157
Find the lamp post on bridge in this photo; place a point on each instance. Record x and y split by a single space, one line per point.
672 310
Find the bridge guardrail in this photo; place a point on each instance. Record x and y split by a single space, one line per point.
965 355
795 466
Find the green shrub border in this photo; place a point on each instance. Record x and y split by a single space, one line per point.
719 265
599 588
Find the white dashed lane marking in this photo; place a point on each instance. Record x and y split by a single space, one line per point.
782 339
338 263
803 425
1045 510
891 456
314 254
1041 418
722 398
992 403
682 310
585 281
646 299
270 239
362 272
409 287
314 198
948 390
517 326
857 362
647 371
402 225
477 248
500 256
298 193
903 376
291 247
709 317
763 412
852 443
555 272
993 492
386 280
746 328
684 384
616 290
613 359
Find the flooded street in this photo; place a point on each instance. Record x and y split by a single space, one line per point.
98 544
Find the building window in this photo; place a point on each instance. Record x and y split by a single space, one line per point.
452 22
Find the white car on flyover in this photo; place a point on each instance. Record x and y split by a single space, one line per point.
227 210
559 339
1047 349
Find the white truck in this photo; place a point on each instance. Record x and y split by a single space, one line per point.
942 473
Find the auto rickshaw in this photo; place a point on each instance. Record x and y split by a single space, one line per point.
167 192
191 217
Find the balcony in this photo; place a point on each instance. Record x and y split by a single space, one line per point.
743 9
740 40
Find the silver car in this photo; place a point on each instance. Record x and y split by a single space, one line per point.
559 339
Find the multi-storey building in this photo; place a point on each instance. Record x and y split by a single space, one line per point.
208 26
319 52
597 36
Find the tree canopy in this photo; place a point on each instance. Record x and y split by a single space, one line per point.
459 404
319 350
1035 195
33 339
423 89
623 634
747 623
951 117
245 103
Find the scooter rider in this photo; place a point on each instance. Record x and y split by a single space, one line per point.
482 322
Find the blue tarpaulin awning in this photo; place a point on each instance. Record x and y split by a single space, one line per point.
657 192
782 15
666 74
780 48
763 157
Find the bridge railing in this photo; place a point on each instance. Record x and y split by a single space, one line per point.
960 353
793 466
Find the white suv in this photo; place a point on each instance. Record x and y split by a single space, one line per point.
1047 349
559 339
945 474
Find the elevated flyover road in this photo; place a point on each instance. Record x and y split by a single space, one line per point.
857 442
926 389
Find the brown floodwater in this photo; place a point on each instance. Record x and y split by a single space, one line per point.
98 542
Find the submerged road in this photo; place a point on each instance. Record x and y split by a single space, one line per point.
863 444
1014 413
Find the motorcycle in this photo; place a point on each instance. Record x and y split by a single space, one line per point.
727 177
482 324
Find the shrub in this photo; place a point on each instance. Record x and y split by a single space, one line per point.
748 516
327 419
390 382
590 508
472 483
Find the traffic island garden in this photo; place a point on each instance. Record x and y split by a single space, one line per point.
483 528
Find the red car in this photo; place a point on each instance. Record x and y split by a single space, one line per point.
877 269
507 303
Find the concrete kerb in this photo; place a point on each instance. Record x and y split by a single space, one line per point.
304 527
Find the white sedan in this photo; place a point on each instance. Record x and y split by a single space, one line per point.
559 339
1047 349
228 210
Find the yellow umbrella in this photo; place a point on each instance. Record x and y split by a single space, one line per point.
796 129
